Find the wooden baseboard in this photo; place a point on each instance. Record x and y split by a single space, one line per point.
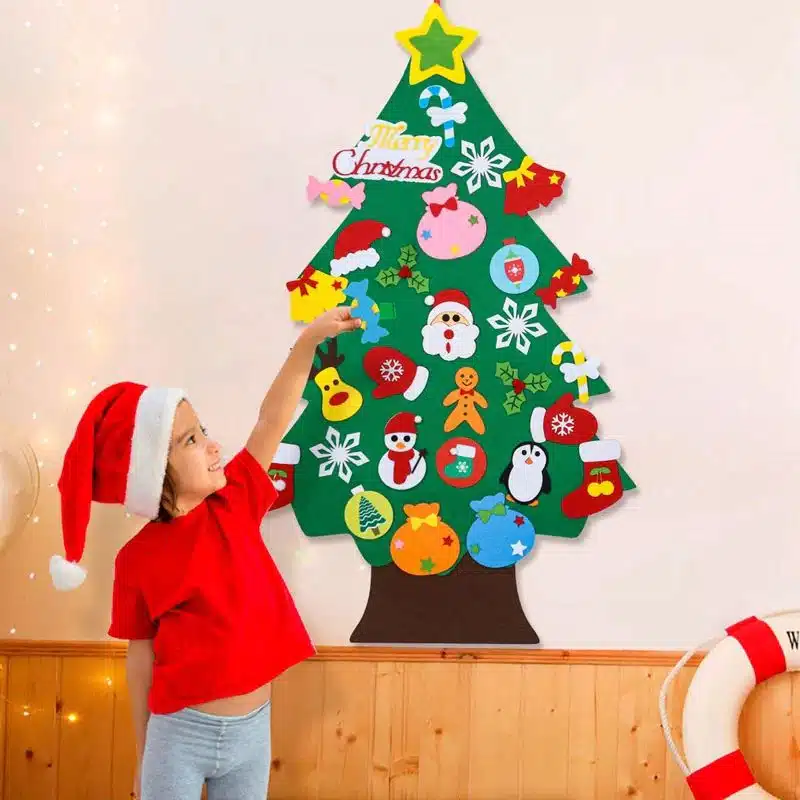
488 655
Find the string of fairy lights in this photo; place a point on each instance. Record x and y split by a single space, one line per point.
62 121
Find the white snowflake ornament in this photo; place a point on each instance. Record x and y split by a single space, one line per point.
481 164
516 327
338 455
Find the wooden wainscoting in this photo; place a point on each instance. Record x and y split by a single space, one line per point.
387 724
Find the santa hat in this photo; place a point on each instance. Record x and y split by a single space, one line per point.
118 455
448 301
404 422
353 249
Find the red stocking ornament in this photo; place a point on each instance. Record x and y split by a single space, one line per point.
281 473
601 486
562 423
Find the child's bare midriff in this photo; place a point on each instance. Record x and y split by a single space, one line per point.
236 706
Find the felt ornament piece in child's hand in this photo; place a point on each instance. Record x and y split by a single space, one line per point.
332 323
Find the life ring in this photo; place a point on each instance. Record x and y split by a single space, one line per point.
752 651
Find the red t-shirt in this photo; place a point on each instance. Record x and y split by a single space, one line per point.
206 590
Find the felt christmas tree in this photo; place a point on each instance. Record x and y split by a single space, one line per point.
455 428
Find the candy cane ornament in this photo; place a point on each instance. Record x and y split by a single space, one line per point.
580 371
449 115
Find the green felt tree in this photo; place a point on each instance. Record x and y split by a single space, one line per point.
461 405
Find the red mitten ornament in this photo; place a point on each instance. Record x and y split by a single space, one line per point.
394 373
562 423
601 486
531 185
281 473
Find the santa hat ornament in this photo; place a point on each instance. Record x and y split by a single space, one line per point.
394 373
354 246
404 422
448 301
118 455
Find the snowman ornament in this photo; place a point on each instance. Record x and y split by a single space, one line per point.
402 467
526 477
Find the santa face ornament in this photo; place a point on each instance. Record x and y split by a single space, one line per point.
450 332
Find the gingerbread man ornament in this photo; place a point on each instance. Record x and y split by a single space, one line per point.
467 401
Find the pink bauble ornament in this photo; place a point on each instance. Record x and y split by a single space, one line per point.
450 228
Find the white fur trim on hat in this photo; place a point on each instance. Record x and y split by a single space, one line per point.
537 424
464 450
360 259
600 450
450 308
152 431
417 385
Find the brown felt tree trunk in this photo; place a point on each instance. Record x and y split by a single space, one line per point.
470 605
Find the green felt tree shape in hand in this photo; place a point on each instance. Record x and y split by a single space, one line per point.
454 429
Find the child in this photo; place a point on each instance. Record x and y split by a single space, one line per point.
209 620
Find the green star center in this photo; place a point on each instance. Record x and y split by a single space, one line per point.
436 47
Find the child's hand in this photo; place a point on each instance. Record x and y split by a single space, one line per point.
331 324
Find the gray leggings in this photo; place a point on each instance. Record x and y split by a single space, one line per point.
186 749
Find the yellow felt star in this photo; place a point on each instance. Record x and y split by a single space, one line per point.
437 47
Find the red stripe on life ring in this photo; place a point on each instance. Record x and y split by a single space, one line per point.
761 646
721 778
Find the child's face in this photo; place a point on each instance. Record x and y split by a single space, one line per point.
194 459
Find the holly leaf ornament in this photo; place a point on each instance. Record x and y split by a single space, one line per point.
506 373
514 402
539 382
388 277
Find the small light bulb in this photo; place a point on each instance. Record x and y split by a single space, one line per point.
109 682
12 347
36 123
66 132
59 154
39 168
14 296
31 576
33 416
26 712
74 188
20 212
37 70
72 392
103 223
27 23
13 631
31 251
68 106
40 464
72 717
48 309
39 363
35 520
75 241
49 255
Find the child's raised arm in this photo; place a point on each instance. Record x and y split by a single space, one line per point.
287 389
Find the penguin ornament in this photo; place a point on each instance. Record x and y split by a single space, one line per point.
526 477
